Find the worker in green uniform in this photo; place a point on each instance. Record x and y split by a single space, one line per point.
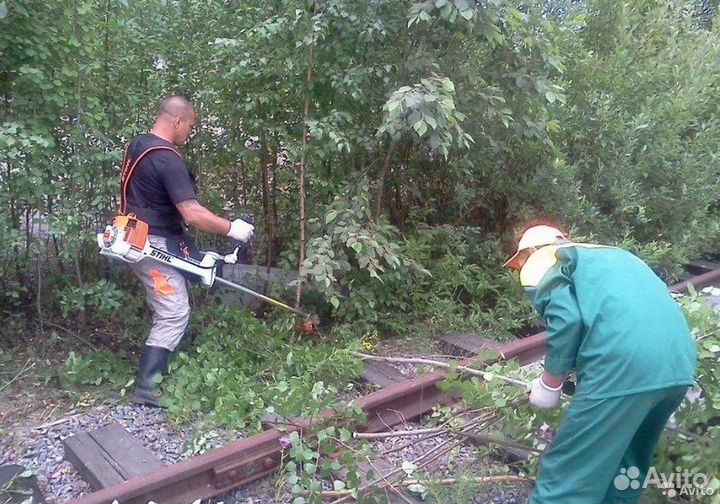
611 320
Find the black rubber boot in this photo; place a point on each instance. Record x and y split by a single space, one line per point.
153 363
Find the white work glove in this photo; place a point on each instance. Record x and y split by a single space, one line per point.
543 396
241 230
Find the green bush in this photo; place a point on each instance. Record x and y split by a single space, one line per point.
467 290
98 368
693 442
436 280
640 128
100 299
241 368
357 263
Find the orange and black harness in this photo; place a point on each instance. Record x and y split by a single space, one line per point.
128 168
178 243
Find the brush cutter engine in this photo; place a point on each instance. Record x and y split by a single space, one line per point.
126 239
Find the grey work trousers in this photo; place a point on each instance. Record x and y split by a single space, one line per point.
167 297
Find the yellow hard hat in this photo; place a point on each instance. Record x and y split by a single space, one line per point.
536 236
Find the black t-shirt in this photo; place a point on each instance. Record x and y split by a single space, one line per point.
160 181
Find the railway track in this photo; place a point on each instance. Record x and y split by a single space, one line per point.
221 470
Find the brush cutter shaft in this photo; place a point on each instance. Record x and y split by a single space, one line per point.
270 300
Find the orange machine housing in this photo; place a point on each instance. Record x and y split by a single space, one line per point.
136 231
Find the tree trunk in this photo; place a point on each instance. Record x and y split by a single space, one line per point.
267 210
243 184
303 157
272 238
381 181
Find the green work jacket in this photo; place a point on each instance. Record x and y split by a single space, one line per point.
609 318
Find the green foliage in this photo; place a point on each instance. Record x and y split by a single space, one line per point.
354 257
694 442
464 119
448 10
467 290
101 298
241 368
82 79
365 274
426 108
101 367
18 488
59 139
640 128
309 460
662 256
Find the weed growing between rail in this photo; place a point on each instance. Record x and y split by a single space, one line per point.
308 460
331 462
240 368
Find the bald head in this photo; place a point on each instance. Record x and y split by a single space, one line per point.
176 106
175 120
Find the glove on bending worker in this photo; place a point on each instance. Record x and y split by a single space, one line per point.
611 320
159 189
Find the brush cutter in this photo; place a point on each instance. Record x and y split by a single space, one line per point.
126 239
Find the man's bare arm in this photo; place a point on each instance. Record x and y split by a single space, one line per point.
197 216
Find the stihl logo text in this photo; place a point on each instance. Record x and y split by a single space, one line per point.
161 256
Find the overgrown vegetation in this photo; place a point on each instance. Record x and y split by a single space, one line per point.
430 133
451 120
240 369
694 442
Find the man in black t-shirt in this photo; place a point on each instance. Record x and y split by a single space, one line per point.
159 182
161 191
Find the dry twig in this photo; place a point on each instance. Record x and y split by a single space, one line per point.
66 331
465 369
26 367
381 435
444 481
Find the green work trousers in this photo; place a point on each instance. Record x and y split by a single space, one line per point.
596 439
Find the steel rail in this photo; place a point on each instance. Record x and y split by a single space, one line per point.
245 460
223 469
698 282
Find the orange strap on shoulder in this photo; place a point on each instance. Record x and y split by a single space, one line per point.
128 168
